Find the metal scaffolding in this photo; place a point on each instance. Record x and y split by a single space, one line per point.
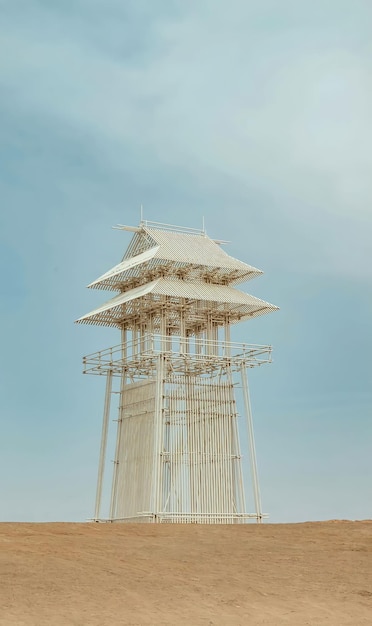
177 454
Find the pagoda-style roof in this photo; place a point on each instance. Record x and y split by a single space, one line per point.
221 301
181 273
154 252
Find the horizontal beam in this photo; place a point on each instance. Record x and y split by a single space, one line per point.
132 229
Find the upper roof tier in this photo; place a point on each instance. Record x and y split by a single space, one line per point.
158 252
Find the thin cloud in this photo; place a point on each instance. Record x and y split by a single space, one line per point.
280 104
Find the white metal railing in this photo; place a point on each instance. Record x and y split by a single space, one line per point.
190 518
194 348
171 227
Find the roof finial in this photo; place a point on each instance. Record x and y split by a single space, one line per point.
141 213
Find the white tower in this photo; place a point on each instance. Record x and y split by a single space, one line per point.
178 455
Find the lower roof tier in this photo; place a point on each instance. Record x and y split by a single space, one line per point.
183 305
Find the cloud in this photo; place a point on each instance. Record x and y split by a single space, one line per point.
244 97
254 114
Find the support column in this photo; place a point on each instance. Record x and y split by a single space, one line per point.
238 493
158 439
252 447
123 382
102 456
227 347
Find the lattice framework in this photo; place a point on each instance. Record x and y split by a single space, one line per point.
178 455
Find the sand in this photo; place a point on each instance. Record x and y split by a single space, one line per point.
115 574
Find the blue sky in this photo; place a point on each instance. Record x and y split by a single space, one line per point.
256 115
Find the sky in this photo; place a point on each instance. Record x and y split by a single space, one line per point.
255 115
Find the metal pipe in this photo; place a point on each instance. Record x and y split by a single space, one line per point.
123 380
102 455
252 447
158 436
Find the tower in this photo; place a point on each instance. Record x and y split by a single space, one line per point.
177 453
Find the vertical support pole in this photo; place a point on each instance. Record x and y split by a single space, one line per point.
163 327
237 489
182 346
252 447
102 456
209 334
158 439
190 417
114 487
227 347
123 381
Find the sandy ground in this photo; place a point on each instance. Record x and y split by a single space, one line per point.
102 574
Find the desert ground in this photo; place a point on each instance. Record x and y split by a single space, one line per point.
115 574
